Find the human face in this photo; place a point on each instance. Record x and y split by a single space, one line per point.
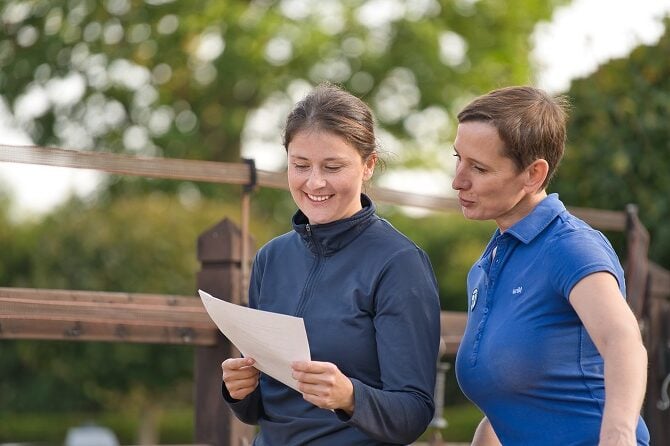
325 176
489 184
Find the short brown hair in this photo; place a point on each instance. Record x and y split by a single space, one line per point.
331 109
530 122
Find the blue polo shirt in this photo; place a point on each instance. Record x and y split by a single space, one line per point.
526 359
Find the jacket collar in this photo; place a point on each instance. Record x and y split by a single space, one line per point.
328 238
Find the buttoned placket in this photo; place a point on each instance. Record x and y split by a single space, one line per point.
491 267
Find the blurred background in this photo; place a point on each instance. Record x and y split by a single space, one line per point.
213 80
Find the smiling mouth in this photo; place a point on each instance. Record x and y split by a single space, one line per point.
318 198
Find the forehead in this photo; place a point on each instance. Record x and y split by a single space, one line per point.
479 139
320 145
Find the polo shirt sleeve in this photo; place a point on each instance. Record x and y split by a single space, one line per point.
577 254
407 324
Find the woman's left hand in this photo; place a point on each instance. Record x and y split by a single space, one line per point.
322 384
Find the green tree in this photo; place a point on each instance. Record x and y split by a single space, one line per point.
180 78
619 140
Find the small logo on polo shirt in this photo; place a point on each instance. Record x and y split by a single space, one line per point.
473 298
517 290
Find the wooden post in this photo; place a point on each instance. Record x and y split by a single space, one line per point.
655 410
220 254
653 316
637 264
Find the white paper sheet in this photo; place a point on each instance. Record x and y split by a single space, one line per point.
273 340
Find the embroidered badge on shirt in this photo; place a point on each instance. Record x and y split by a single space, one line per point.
473 298
517 290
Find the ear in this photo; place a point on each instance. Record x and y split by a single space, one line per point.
536 173
369 166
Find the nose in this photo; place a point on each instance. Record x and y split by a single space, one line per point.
460 180
315 180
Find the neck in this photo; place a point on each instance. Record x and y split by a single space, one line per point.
524 207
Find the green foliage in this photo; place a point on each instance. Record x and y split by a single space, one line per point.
131 245
620 141
15 244
175 425
462 421
179 78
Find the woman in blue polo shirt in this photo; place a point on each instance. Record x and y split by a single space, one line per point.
552 354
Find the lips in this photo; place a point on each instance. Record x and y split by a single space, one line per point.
465 203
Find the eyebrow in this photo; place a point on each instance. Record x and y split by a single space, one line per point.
325 159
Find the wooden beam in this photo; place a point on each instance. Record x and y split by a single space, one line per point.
136 165
240 173
101 297
85 330
27 313
109 312
602 219
98 316
452 325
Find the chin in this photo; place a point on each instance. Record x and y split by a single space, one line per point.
318 219
474 216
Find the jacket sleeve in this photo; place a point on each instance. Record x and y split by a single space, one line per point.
247 410
250 409
407 324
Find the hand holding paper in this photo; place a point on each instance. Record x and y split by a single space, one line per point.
273 340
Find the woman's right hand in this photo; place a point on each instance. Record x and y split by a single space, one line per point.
239 376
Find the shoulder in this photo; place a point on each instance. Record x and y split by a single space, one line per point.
574 250
571 236
278 244
392 245
384 233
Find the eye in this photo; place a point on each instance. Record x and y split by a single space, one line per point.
300 167
479 169
333 168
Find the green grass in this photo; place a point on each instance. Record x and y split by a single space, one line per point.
462 420
175 426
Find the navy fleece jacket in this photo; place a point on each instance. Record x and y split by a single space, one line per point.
369 300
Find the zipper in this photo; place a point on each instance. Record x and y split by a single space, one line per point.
316 269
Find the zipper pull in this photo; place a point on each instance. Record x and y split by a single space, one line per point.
309 229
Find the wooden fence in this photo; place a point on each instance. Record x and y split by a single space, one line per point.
224 251
648 290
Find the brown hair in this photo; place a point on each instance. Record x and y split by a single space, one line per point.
331 109
530 122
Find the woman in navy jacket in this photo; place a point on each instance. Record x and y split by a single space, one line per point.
367 294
